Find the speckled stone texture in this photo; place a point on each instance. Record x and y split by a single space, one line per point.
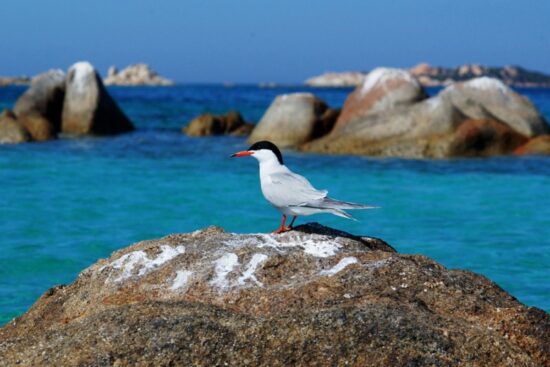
311 297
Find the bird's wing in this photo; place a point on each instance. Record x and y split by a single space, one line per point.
295 190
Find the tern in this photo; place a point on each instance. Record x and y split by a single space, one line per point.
292 194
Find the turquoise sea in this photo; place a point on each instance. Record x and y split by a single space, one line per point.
66 203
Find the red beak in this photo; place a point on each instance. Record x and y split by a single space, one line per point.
244 153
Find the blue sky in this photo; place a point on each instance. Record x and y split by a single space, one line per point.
278 40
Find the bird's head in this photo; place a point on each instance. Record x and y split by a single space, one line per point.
263 151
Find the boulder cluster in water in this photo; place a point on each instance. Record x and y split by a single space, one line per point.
313 296
135 75
56 103
390 114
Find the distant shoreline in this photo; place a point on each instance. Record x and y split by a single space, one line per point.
430 76
260 86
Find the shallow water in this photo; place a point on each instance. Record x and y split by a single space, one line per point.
66 203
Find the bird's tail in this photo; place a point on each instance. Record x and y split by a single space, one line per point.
341 213
337 204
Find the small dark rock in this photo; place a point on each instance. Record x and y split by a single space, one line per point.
232 123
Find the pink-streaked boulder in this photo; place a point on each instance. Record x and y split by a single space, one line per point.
382 89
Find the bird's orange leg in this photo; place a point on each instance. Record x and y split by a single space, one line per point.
282 228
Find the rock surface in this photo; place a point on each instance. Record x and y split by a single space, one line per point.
539 146
312 296
231 123
39 108
137 74
88 108
484 137
11 131
383 89
294 119
390 115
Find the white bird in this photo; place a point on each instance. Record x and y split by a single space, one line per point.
290 193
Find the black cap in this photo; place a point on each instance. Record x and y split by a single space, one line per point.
264 144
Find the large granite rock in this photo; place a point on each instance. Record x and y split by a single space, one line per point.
88 108
39 108
312 296
11 131
133 75
294 119
389 115
486 97
231 123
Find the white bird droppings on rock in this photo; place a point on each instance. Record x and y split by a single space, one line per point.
311 246
140 260
82 70
342 264
224 265
256 260
487 83
381 75
320 249
182 276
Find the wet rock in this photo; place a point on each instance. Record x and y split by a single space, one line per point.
294 119
312 296
39 108
536 146
11 131
88 108
232 123
133 75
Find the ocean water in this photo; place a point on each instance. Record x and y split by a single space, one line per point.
66 203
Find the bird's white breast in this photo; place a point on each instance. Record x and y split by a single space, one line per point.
273 192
